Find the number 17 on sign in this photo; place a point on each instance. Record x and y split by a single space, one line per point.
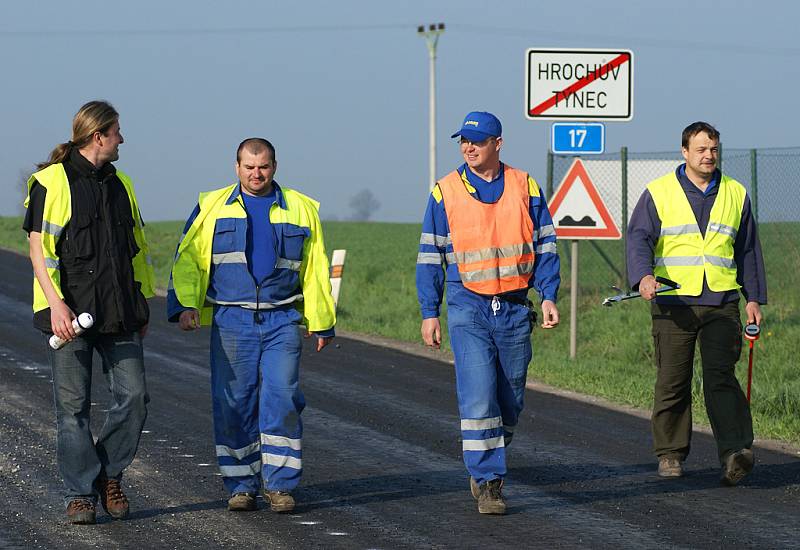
577 138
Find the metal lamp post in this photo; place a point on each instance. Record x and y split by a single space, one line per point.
432 39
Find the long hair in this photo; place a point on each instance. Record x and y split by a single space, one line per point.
95 116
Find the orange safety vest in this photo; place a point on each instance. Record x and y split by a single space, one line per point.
492 243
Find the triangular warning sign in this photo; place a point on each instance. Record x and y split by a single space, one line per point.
578 211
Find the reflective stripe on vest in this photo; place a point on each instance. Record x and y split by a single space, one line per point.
492 243
55 217
682 253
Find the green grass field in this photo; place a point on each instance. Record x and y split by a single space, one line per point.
615 350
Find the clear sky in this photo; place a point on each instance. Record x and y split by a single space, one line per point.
341 88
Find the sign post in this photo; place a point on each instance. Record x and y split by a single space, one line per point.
578 213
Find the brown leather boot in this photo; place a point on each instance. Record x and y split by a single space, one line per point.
112 498
81 512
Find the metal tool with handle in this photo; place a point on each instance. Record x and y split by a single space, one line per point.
667 285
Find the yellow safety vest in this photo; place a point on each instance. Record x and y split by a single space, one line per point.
56 216
192 267
682 253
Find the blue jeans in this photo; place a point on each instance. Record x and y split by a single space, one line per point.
80 459
492 350
256 398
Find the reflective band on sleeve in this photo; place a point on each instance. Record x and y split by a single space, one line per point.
481 423
472 256
51 263
483 444
546 247
719 261
283 263
544 231
281 441
253 469
51 228
238 454
434 240
451 258
687 229
722 229
678 261
280 461
429 258
497 272
229 258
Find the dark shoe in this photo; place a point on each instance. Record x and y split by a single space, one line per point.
279 501
736 466
81 512
490 497
242 502
669 467
112 498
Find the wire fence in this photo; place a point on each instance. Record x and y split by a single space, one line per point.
771 177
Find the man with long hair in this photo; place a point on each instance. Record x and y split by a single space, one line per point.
89 255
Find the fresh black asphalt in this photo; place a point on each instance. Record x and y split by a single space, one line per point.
382 462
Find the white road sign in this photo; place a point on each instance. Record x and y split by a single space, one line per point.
565 84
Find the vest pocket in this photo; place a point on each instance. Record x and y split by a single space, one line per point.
225 236
79 241
292 240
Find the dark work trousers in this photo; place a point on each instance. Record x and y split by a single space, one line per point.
676 329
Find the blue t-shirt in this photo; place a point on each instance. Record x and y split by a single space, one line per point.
260 248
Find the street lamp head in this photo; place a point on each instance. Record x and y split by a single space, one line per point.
421 29
432 27
441 26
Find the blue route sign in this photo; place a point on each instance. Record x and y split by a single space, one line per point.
570 138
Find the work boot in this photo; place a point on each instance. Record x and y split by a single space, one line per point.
736 466
490 497
112 498
81 512
241 502
669 466
279 501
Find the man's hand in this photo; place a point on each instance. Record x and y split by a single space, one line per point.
647 287
550 316
322 342
431 332
61 317
753 311
189 320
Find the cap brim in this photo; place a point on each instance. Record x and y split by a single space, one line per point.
472 135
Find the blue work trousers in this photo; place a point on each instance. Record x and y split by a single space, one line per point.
80 459
255 361
492 350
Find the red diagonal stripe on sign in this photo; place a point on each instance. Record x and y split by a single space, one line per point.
585 81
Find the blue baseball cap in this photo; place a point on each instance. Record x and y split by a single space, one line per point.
480 125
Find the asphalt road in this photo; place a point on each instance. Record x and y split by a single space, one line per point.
382 462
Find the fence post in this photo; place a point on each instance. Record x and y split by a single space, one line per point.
754 181
549 175
623 159
719 157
